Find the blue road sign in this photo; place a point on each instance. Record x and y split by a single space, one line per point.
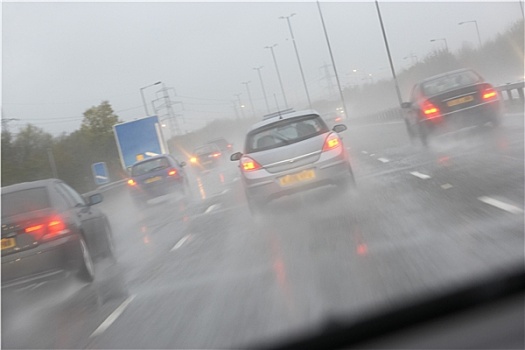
100 173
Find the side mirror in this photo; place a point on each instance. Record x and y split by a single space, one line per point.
182 164
339 128
236 156
95 199
406 104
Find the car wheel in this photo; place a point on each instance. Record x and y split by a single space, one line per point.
86 271
423 134
410 131
108 251
349 180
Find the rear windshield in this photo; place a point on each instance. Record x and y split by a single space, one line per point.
450 82
149 166
206 149
24 201
284 132
222 143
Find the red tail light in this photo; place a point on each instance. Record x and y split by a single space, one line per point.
489 94
331 142
430 111
249 164
172 172
53 228
131 182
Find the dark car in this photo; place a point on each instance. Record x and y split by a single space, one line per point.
224 146
157 176
48 228
206 156
451 101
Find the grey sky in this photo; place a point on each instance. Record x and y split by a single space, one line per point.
59 59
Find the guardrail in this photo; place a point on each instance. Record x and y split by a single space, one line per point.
512 95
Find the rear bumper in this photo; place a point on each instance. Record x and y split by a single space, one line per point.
474 116
41 262
327 171
142 193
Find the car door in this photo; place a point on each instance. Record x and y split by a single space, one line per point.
89 218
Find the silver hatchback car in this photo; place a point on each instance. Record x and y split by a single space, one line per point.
290 152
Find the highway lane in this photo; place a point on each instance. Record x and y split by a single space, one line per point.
204 274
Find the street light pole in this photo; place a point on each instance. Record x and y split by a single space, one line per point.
298 59
278 74
249 95
333 61
442 39
477 29
258 69
240 103
143 99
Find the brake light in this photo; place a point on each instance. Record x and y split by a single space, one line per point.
33 228
52 229
489 94
249 164
430 111
172 172
331 142
131 182
215 155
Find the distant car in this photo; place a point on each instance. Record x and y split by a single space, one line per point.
48 228
333 118
224 146
206 156
450 101
287 153
157 176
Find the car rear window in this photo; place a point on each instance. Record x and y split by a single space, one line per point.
149 166
284 132
222 143
24 201
450 82
206 149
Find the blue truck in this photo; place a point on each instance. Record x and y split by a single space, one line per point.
139 139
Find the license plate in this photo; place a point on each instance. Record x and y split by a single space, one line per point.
153 179
459 101
305 175
8 243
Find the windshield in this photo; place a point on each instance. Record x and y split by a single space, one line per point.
284 132
254 171
24 201
450 82
149 166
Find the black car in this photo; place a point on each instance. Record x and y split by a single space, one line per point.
157 176
206 156
450 101
48 228
224 146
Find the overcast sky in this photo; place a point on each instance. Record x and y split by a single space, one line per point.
59 59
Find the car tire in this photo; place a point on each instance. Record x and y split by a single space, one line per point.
108 251
423 134
86 271
410 131
349 180
255 207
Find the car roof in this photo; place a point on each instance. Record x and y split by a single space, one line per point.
449 73
283 116
27 185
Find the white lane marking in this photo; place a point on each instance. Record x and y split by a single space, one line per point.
420 175
114 315
212 208
364 152
383 160
180 242
225 191
446 186
373 154
501 205
235 179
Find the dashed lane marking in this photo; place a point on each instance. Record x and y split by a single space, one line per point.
180 242
364 152
501 205
446 186
212 208
373 154
383 160
420 175
112 318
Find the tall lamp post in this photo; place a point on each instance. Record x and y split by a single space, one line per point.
297 54
441 39
144 100
278 74
258 69
477 29
249 95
